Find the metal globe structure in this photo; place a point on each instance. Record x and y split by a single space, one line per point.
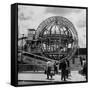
58 37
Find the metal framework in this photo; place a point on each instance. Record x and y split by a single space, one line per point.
58 38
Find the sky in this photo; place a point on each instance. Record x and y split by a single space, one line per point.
29 17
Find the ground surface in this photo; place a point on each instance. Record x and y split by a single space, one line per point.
40 77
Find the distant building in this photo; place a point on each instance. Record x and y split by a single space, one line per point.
81 51
31 34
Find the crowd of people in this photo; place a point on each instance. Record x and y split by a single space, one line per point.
54 67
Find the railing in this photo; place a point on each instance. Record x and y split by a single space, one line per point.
37 56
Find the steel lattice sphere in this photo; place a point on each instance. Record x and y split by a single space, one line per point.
58 37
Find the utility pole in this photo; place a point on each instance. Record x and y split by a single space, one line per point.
22 48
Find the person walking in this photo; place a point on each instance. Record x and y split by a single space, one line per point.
50 69
81 60
68 73
63 70
55 68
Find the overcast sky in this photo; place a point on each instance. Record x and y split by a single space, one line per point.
31 16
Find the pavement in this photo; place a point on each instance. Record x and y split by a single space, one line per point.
39 77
